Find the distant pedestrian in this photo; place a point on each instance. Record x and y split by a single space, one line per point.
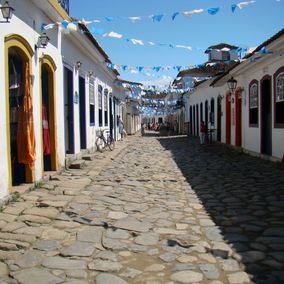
142 129
202 132
120 127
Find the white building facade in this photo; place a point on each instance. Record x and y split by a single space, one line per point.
253 116
65 92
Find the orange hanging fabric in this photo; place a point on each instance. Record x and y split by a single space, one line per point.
45 132
26 134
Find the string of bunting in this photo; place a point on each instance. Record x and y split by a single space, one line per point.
143 69
73 26
173 15
156 18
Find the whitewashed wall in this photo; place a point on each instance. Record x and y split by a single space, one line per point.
63 49
205 92
26 20
74 50
252 135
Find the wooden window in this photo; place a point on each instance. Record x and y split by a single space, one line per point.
279 98
106 106
280 88
100 104
92 102
253 104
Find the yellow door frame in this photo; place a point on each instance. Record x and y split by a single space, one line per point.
26 52
49 63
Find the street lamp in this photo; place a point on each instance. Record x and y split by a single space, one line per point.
232 84
78 65
7 11
43 41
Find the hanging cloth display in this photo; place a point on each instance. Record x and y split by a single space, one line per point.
45 132
26 134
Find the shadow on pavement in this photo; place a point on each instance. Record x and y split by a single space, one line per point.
244 197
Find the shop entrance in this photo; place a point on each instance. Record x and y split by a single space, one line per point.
22 137
68 111
266 117
48 115
82 100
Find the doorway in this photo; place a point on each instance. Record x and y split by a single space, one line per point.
238 105
48 114
82 109
201 112
206 114
68 111
16 93
111 117
228 118
191 122
197 120
266 116
114 118
219 118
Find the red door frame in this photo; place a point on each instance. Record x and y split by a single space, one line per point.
238 129
228 118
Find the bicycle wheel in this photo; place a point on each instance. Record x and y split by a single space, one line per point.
110 143
100 144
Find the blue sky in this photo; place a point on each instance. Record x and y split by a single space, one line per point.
247 27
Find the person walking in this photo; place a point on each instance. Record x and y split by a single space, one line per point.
120 127
202 132
142 129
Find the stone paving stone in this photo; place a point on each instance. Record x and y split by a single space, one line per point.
105 278
78 249
132 224
30 219
43 212
238 278
90 234
30 259
47 245
7 217
36 275
187 277
105 265
63 263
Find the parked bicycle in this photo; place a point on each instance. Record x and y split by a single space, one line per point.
103 141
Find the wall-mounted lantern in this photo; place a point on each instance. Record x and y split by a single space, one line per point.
43 40
232 85
78 65
7 11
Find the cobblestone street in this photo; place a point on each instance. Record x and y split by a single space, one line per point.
155 210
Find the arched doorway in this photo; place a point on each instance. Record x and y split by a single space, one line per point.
49 147
82 112
212 113
191 122
201 112
228 118
20 128
69 110
206 114
111 124
266 116
197 120
219 118
238 106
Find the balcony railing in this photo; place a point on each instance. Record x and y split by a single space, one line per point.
64 4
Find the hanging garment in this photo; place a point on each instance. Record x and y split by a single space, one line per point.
45 132
26 134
